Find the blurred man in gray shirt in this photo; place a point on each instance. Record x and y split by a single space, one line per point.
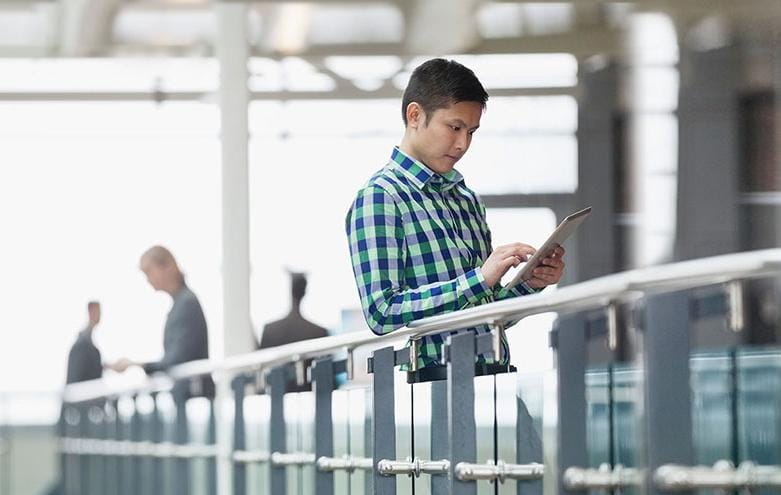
185 337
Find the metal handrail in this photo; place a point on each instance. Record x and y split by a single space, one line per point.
586 295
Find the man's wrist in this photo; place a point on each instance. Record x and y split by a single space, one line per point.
474 286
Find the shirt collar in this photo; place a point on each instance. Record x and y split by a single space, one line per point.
423 176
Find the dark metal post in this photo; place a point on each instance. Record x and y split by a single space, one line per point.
570 347
277 379
440 441
156 435
181 466
211 439
528 448
668 390
323 381
239 435
462 429
384 418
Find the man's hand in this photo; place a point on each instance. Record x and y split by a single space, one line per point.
502 258
120 365
550 270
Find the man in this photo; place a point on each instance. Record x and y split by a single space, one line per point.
185 336
293 327
419 242
84 362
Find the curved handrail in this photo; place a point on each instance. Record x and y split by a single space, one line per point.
590 294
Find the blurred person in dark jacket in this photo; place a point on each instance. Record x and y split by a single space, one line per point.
293 327
84 363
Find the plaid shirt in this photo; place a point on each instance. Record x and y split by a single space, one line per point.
417 242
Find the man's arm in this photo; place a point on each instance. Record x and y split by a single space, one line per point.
378 255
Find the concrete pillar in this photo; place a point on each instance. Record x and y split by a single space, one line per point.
597 161
709 160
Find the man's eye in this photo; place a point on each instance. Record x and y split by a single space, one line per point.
455 128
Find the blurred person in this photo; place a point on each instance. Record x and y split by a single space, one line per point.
293 327
418 238
84 364
84 361
185 336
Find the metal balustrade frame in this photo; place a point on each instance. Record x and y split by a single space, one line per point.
666 353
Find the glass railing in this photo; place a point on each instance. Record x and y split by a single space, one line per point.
579 427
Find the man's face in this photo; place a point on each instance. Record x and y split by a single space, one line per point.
155 274
94 314
447 136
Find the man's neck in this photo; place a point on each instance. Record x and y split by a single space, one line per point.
174 289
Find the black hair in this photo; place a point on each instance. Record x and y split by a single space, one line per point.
439 83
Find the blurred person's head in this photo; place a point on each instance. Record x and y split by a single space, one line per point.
161 270
93 311
441 108
297 286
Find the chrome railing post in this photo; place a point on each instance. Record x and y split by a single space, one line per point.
383 417
666 371
569 343
460 355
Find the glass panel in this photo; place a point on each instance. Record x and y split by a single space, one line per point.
598 416
711 378
422 432
759 406
340 414
360 437
257 413
403 428
198 415
627 396
484 421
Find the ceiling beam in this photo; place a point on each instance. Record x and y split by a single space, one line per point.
342 93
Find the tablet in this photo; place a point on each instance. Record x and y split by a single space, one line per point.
562 232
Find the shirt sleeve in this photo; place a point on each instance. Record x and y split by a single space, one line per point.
378 253
499 292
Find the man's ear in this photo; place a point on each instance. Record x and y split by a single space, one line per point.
415 115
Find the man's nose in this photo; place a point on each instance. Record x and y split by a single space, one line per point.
461 141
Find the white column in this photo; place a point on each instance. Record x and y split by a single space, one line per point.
233 53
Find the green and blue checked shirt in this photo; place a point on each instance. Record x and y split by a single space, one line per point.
417 242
